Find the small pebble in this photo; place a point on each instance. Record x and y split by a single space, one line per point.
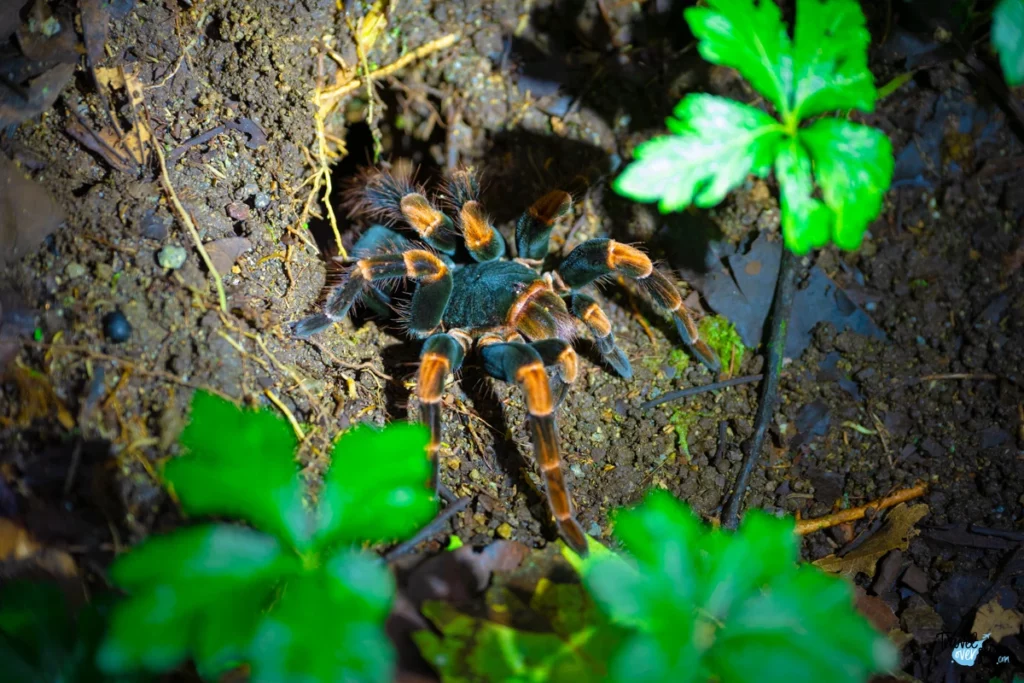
247 190
172 256
155 226
238 210
116 327
74 270
504 530
262 200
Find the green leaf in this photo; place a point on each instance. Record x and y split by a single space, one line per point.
471 649
39 640
36 625
807 617
717 143
708 604
292 609
1008 39
822 69
806 221
853 164
377 487
751 38
830 58
328 626
195 592
240 464
662 539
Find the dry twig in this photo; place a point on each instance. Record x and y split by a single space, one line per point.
806 526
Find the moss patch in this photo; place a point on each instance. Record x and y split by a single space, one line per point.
724 340
682 421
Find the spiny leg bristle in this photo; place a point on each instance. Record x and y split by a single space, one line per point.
377 193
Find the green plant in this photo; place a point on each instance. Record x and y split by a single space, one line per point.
573 647
41 642
293 597
704 604
682 420
717 142
1008 38
722 337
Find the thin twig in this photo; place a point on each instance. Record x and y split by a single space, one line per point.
982 376
785 289
723 441
296 427
135 367
694 391
328 98
428 531
806 526
187 221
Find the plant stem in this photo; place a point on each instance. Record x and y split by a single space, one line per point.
427 532
694 391
785 288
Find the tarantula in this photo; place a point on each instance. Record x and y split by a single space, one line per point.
520 319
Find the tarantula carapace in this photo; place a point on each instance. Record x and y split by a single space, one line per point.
519 319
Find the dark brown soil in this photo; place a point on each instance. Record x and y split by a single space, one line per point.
941 270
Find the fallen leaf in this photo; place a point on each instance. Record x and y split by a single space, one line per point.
27 213
41 93
37 399
110 77
15 542
224 252
921 620
1000 622
17 545
876 610
895 533
95 19
10 18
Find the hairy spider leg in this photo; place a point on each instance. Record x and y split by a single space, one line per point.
539 313
554 353
441 356
589 311
559 354
395 197
376 240
534 227
522 364
599 257
433 289
482 239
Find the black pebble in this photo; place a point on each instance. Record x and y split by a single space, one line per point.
116 327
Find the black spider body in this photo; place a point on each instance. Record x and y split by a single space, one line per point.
484 292
519 320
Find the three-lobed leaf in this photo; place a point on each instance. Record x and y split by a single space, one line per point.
806 221
239 464
718 143
830 49
1008 38
750 37
328 625
712 605
196 592
471 649
853 164
376 488
291 597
